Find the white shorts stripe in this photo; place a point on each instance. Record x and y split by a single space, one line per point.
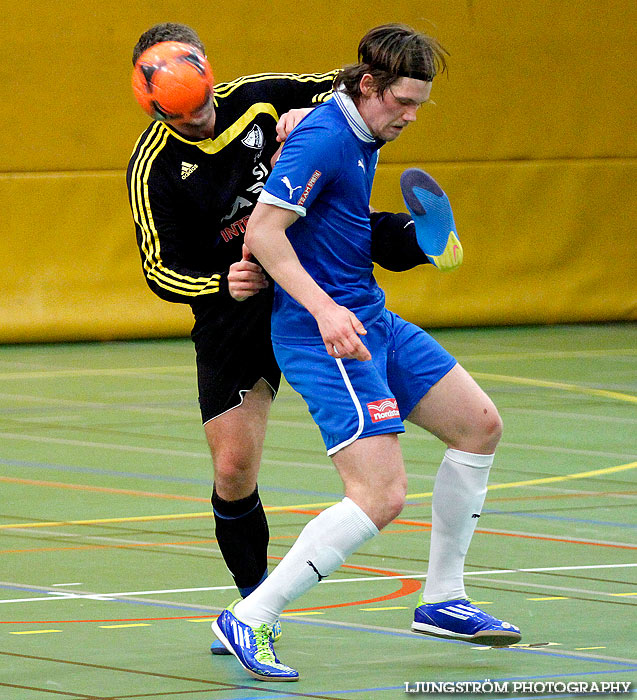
359 411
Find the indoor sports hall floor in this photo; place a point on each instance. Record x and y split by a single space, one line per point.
110 574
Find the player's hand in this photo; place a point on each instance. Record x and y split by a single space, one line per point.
288 121
245 278
340 330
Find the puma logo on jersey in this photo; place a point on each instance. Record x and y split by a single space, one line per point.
187 169
254 138
361 164
286 181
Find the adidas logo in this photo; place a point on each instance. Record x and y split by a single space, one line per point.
187 169
460 611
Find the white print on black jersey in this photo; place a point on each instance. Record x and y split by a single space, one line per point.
254 138
187 169
260 172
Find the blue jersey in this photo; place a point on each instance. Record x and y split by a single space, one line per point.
325 174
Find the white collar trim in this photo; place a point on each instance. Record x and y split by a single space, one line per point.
353 116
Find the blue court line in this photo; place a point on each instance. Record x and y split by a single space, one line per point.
410 635
316 692
572 695
402 688
567 675
153 477
315 623
568 695
542 516
169 606
459 680
105 472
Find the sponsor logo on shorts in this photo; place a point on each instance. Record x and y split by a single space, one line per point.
382 410
308 188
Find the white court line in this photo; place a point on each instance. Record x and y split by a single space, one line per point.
59 595
118 372
143 393
568 414
549 355
208 549
189 368
70 403
184 453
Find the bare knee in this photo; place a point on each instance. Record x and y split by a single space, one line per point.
382 505
491 430
394 503
480 434
235 472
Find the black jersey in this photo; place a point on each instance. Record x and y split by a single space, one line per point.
191 199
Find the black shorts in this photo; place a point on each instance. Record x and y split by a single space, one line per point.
234 350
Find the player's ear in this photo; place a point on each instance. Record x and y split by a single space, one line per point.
367 85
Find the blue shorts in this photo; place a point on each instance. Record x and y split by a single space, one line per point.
349 399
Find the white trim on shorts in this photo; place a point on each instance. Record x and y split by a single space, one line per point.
359 410
242 393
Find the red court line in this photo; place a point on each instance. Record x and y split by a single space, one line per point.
500 533
132 545
116 619
407 587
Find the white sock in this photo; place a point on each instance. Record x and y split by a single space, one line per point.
459 492
323 545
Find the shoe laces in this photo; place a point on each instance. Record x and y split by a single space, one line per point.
264 653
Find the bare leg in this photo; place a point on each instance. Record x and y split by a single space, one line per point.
374 478
236 443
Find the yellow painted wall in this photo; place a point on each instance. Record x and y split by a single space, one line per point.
532 135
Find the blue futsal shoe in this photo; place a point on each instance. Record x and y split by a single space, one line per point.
435 228
252 646
218 649
461 620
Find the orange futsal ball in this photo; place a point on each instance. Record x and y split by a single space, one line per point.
172 80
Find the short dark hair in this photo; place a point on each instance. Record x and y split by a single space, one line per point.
167 31
390 52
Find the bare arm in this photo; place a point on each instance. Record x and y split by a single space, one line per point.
266 239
